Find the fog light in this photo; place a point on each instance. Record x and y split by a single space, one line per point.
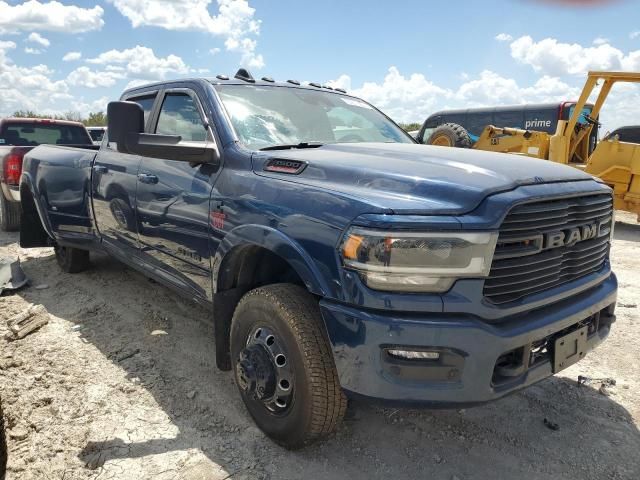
414 355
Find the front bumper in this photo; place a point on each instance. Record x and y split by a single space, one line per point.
473 352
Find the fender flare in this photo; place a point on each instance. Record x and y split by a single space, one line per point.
225 300
278 243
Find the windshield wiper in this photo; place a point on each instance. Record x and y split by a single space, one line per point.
294 145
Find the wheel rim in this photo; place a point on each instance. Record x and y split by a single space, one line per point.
441 141
263 371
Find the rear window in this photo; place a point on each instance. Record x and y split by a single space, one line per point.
31 134
96 135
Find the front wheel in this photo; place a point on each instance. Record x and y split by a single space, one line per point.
450 135
284 368
72 260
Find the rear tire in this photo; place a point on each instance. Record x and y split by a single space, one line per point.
72 260
9 214
311 403
450 135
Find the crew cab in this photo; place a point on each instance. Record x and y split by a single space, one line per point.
17 137
340 259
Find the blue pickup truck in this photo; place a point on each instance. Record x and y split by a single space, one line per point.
339 258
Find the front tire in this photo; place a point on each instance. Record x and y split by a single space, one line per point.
72 260
9 214
450 135
284 367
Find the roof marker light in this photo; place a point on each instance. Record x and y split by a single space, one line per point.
243 74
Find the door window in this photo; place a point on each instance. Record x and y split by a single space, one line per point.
179 115
146 102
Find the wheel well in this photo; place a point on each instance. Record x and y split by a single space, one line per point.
243 269
253 266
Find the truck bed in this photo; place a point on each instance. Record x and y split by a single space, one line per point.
61 175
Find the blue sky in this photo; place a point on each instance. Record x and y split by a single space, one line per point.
409 58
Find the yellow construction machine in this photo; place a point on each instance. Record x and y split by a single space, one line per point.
616 163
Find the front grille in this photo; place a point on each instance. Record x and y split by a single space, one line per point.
530 255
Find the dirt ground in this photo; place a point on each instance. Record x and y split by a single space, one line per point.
121 384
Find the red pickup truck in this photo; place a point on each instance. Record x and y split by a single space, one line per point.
17 137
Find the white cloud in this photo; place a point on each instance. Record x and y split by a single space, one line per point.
28 88
402 98
141 63
71 56
413 98
85 77
504 37
32 51
634 35
51 16
214 51
84 108
343 81
600 41
551 57
235 21
35 37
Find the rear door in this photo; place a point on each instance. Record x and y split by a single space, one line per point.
114 182
173 199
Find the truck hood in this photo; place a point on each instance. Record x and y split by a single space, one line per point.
415 179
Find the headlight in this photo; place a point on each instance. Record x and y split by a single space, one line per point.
417 262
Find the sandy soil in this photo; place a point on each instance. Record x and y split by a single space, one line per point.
121 384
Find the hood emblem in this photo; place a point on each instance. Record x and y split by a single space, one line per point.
282 165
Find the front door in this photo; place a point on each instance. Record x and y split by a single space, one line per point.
173 200
113 184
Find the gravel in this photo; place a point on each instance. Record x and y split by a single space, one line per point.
121 384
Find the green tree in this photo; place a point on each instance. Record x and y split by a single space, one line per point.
408 127
96 119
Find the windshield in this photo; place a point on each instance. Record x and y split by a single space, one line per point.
585 111
265 117
25 134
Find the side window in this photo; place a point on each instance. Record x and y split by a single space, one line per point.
179 115
146 102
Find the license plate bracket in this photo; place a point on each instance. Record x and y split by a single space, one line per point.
570 348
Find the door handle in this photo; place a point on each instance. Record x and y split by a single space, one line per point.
100 169
147 178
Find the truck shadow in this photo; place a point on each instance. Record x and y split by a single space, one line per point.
164 345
